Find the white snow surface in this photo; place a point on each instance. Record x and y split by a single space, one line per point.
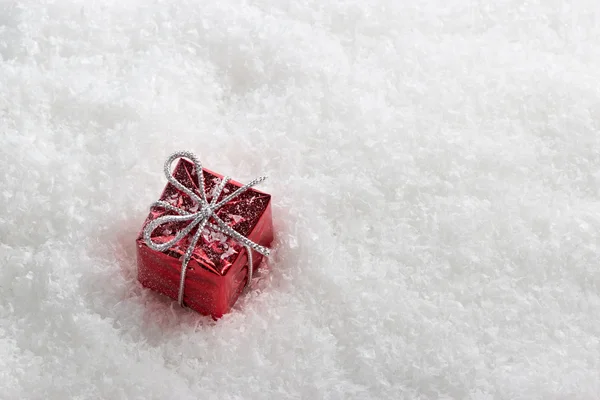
435 172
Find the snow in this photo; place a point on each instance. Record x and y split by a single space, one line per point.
435 172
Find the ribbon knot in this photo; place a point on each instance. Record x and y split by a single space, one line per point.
202 218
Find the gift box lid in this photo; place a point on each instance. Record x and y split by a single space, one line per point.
214 251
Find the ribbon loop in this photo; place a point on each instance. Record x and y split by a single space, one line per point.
200 218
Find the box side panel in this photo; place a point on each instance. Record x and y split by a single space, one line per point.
207 294
238 274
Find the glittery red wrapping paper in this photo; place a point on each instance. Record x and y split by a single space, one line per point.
217 271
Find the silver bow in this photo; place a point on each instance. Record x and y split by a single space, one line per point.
199 218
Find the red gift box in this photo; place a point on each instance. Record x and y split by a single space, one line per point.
217 271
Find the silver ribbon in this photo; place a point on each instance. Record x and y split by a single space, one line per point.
200 218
